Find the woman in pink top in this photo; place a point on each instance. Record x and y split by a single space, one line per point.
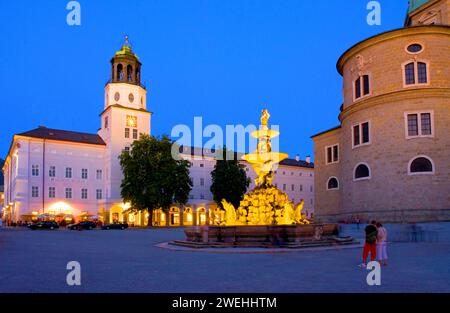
382 244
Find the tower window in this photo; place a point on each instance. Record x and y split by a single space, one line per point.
416 73
127 133
362 171
361 134
119 72
419 124
135 134
414 48
106 121
129 73
362 86
421 165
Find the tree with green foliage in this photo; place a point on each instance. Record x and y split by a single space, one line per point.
152 178
229 180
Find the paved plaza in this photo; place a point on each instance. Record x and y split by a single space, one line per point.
129 261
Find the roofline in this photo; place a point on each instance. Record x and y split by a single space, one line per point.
423 7
389 34
326 131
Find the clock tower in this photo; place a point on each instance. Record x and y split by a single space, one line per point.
124 118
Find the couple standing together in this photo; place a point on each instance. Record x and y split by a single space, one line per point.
376 244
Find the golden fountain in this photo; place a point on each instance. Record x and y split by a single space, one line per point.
265 204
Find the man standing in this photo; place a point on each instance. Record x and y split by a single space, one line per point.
370 245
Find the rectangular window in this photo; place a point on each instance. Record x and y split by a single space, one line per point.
135 134
366 85
301 187
51 192
52 171
106 122
84 193
34 170
358 88
202 182
35 191
284 187
126 150
419 124
99 174
410 75
84 173
332 154
68 193
293 188
99 194
127 133
422 72
361 134
68 172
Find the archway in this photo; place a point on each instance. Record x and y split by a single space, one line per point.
201 216
116 214
174 216
188 217
159 218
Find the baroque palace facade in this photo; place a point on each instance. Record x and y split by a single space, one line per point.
389 159
58 174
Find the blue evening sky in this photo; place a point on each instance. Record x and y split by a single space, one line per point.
222 60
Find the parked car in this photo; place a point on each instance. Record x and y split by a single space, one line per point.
44 225
82 225
115 226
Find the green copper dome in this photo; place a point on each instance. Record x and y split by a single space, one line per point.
415 4
126 50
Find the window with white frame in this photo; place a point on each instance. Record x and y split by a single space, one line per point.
84 193
362 172
51 192
99 194
333 183
68 193
68 172
419 124
34 170
362 86
99 174
84 173
361 134
332 154
34 191
415 73
52 171
421 165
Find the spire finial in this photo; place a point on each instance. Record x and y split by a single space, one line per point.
126 41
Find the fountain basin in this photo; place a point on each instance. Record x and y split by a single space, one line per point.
283 236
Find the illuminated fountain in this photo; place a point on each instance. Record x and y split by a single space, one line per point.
265 217
265 204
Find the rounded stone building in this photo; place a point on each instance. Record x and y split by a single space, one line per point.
390 158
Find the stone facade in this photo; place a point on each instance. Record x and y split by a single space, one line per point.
393 190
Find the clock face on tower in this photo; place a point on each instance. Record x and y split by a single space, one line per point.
131 121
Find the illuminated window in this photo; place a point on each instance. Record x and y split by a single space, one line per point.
131 121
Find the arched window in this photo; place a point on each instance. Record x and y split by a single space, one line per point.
138 75
120 72
362 171
421 165
416 73
332 183
129 73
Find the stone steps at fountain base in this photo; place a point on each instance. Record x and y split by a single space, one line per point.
292 245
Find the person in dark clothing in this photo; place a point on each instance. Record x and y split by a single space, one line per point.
370 246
